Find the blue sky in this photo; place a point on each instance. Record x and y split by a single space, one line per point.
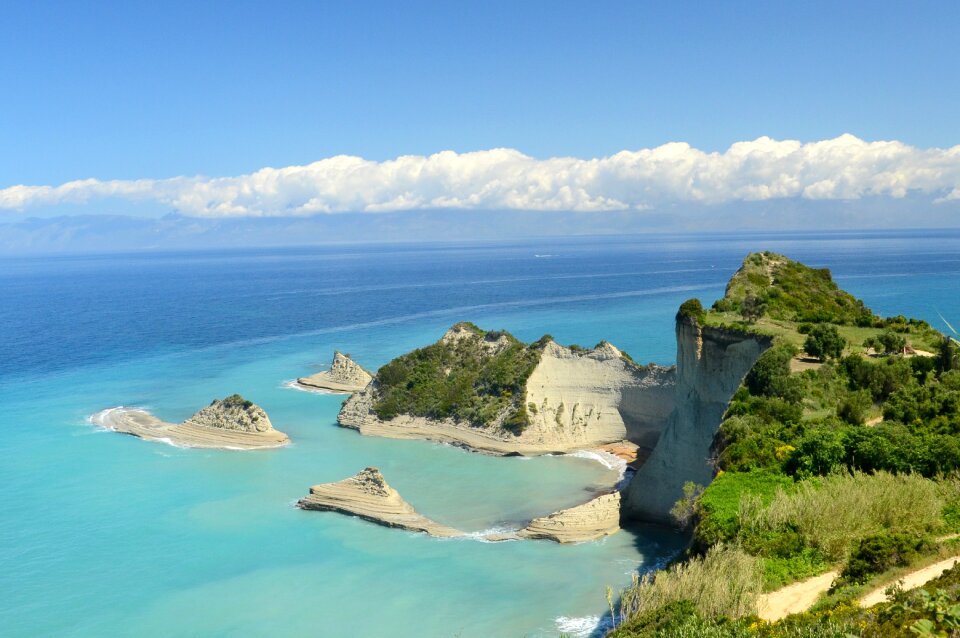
147 90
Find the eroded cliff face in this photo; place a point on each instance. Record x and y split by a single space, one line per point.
711 364
574 399
582 397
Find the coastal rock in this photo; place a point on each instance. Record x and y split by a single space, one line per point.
232 423
594 519
711 364
344 376
368 496
574 399
232 413
579 399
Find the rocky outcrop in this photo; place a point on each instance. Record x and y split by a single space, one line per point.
578 399
594 519
368 496
344 376
711 364
574 399
232 424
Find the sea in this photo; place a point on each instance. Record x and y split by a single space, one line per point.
103 534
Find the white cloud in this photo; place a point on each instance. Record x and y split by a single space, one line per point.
842 168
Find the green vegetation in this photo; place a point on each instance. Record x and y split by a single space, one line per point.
477 379
932 610
234 401
843 463
724 582
823 341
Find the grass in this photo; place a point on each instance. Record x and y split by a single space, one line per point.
724 582
833 511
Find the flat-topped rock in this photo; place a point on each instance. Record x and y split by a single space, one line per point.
368 496
594 519
344 376
232 423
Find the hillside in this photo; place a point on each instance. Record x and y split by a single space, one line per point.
835 453
490 392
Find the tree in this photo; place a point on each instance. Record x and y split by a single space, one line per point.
891 342
824 342
947 356
752 308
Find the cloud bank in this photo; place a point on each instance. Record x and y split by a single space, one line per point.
763 169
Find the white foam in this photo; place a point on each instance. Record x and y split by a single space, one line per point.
483 536
610 461
293 385
582 626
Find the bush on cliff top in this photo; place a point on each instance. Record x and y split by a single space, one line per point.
790 291
461 380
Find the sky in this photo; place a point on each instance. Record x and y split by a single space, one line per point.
305 108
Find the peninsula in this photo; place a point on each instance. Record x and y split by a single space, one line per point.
813 449
345 376
232 423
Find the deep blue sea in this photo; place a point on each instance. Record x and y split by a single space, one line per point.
107 535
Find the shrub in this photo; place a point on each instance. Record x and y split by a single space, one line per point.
853 407
824 342
891 342
692 309
877 553
833 511
724 582
770 375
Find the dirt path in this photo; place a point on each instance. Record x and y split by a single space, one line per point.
911 581
794 598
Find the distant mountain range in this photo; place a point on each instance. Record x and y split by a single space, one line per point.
120 233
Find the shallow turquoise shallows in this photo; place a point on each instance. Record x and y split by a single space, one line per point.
105 535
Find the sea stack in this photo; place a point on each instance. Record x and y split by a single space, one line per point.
367 495
233 423
594 519
345 376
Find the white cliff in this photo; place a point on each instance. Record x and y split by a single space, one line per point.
711 364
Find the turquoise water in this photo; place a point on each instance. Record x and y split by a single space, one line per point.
104 534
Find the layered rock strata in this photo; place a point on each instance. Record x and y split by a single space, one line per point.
232 423
368 496
594 519
344 376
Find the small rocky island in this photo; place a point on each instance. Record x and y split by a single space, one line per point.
368 496
345 376
232 423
